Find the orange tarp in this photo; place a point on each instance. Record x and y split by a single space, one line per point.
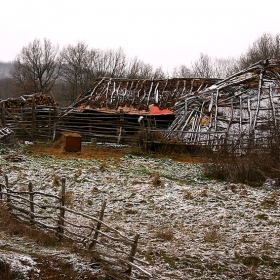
155 110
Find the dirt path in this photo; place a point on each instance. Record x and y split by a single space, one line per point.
101 152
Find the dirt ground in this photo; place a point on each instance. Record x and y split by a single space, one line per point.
87 152
102 152
190 227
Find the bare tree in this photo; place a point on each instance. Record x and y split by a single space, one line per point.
117 63
102 64
159 73
203 67
207 67
75 70
133 68
7 87
37 67
182 72
265 47
224 67
109 63
5 69
146 71
137 69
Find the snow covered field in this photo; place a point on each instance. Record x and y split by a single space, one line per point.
190 227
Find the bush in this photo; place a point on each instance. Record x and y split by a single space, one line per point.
253 168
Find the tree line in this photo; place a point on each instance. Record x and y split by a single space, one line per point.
42 67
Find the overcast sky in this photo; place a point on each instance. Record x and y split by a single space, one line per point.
164 33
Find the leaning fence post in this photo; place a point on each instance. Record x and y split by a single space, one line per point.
31 201
62 210
98 226
132 253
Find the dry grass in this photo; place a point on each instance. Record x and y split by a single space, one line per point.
51 266
69 198
238 189
188 194
212 235
203 193
156 181
88 152
104 166
95 190
270 201
56 181
15 227
165 234
253 168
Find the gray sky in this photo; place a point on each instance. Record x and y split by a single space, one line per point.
164 33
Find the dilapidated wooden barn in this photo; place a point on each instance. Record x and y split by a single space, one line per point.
114 110
241 110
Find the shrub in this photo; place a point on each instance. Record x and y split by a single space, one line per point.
253 168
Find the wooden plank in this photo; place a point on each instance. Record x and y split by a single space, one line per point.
98 226
19 123
31 197
62 210
132 253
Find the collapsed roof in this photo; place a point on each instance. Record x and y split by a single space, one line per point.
242 107
138 96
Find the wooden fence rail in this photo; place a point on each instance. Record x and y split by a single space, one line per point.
48 122
88 232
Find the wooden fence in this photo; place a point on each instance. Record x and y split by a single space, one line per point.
48 122
233 143
118 127
90 233
30 123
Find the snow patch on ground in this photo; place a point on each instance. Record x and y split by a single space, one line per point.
189 227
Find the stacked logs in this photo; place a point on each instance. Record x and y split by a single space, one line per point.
27 101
